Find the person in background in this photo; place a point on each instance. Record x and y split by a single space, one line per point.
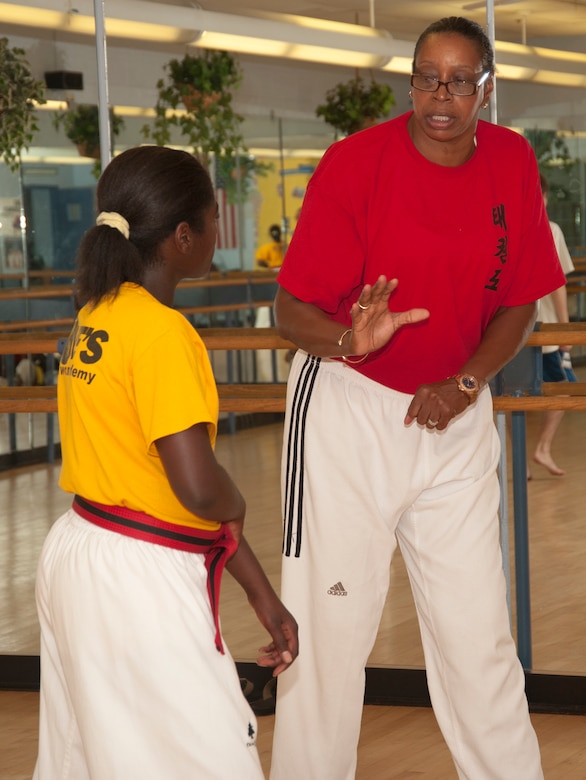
135 680
423 287
270 255
557 363
30 371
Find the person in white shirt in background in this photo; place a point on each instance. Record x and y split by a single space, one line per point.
557 365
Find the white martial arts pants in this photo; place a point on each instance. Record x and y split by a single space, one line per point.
132 686
356 480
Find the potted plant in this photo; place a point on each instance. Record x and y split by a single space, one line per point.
235 175
82 126
203 79
203 84
18 93
356 104
550 148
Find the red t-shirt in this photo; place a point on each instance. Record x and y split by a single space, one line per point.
461 241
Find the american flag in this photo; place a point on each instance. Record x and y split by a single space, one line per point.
227 223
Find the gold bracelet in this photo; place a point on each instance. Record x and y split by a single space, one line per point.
355 362
343 336
344 357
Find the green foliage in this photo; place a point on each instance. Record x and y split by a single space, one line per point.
204 85
18 90
356 104
550 148
237 175
208 73
82 126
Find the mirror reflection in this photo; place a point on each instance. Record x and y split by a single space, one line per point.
46 206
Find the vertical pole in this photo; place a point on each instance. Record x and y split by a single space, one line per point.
49 374
501 424
103 100
519 471
284 220
490 30
521 539
23 239
26 277
370 13
239 209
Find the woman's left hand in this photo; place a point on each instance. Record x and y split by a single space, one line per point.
436 404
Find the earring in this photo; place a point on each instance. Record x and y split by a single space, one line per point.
411 94
484 105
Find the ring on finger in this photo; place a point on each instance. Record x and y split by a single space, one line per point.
361 306
433 423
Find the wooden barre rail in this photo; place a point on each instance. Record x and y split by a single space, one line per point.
44 273
218 308
270 397
249 397
42 291
263 338
233 398
230 279
24 325
18 326
213 338
69 273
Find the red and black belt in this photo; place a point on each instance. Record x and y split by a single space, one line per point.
216 546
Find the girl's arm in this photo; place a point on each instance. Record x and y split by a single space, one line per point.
205 488
278 621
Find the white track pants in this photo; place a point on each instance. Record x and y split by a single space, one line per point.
132 686
356 480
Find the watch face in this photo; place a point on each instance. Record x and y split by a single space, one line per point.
469 382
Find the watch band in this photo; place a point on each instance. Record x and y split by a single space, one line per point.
469 385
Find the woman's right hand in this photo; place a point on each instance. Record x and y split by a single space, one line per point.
313 330
373 324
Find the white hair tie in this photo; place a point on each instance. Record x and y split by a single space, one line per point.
114 220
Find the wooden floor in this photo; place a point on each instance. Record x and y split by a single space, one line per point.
406 739
397 743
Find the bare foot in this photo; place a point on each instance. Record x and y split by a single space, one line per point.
550 464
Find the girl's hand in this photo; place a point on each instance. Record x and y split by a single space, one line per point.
277 620
282 627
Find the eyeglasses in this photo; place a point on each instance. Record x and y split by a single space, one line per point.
459 87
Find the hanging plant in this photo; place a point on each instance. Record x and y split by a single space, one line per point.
236 175
550 148
204 86
82 126
19 91
356 104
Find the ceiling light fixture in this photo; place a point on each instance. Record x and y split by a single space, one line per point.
482 4
279 35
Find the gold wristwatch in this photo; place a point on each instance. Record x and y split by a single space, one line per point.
468 385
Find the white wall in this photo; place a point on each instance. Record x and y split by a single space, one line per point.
274 89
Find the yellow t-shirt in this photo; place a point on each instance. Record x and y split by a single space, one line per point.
133 371
271 254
